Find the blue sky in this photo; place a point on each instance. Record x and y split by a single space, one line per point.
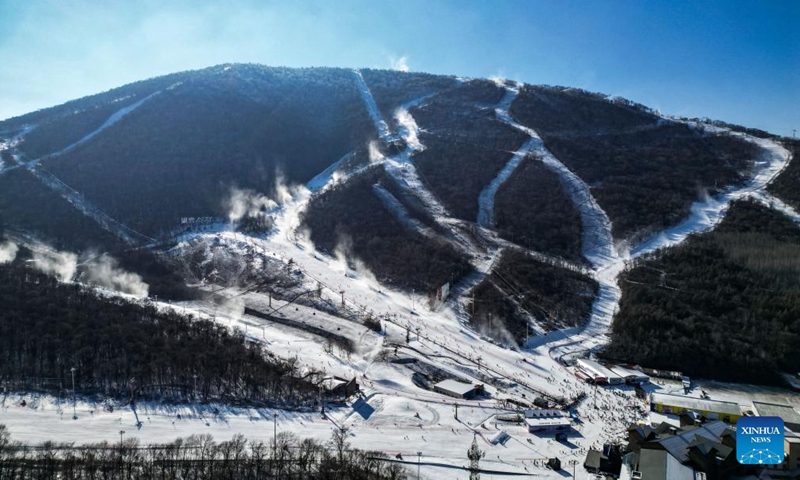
738 61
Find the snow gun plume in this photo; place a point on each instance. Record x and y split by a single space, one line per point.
375 155
495 329
52 262
343 247
247 203
8 252
409 128
104 271
345 258
303 237
284 192
399 64
232 308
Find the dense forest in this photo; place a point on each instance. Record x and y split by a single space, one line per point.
48 327
724 305
197 457
353 219
179 153
533 210
522 288
644 171
465 144
787 185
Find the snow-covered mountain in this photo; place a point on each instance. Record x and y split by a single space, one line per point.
413 181
396 228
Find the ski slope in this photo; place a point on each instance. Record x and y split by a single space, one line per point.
597 243
114 118
395 415
775 203
487 196
372 107
75 198
400 212
327 176
707 213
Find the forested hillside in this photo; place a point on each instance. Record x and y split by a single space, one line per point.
27 204
533 210
391 89
194 136
465 145
48 327
521 288
352 219
724 305
180 152
787 185
644 171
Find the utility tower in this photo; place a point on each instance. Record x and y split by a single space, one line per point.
475 455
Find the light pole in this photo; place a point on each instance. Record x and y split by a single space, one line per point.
419 460
74 413
321 403
121 433
274 436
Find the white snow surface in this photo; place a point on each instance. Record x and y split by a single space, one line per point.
327 176
114 118
597 243
395 415
487 196
372 108
400 212
775 203
710 211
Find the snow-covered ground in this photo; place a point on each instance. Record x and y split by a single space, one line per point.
597 243
372 108
487 196
395 415
390 423
710 211
706 215
775 203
